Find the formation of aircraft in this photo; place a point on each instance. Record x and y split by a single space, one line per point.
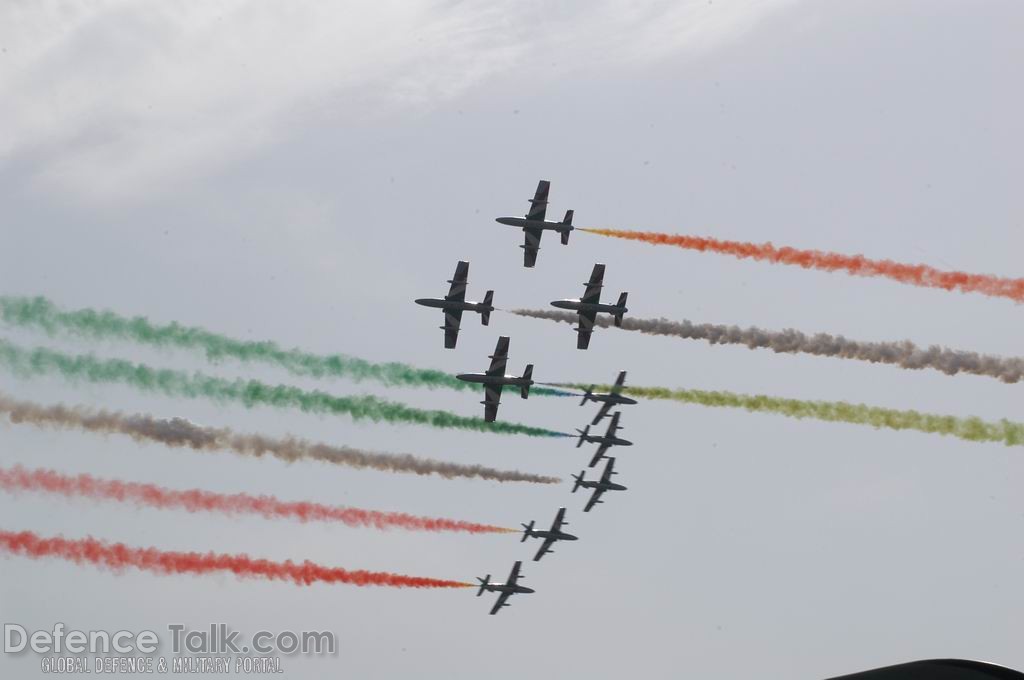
534 225
455 303
550 536
600 486
607 399
605 441
590 305
495 379
506 590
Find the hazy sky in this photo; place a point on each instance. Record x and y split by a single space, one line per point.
300 172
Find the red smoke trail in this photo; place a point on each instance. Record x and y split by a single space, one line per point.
50 481
858 265
118 556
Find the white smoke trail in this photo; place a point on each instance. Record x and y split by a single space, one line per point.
904 354
179 432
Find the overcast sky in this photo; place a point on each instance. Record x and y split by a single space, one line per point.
299 172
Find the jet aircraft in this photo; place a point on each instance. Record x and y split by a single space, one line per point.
455 303
599 486
507 589
607 399
534 224
494 379
590 305
550 536
606 440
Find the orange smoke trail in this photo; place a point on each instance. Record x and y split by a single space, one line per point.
193 500
858 265
118 556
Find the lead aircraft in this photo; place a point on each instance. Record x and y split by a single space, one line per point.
534 225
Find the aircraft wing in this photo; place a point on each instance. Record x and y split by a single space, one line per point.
544 548
584 330
500 602
593 292
559 520
492 397
599 454
619 382
499 358
594 499
602 412
513 576
457 292
452 319
531 246
613 426
609 470
539 202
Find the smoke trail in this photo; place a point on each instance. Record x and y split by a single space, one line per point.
857 265
178 432
196 500
41 361
118 556
903 354
38 312
971 428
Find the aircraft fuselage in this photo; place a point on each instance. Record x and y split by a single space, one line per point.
611 398
524 223
557 535
597 307
505 588
518 381
607 486
465 306
610 441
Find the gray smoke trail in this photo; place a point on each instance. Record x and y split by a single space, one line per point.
179 432
904 354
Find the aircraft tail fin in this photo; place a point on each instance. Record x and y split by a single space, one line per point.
524 390
586 397
583 433
485 316
564 233
622 304
527 531
484 582
579 480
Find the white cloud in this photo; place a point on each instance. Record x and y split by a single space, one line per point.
116 97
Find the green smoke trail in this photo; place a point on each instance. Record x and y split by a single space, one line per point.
38 312
970 428
40 361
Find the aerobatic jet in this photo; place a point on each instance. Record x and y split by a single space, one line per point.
494 379
534 224
590 305
599 486
550 536
607 399
507 590
455 303
606 440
